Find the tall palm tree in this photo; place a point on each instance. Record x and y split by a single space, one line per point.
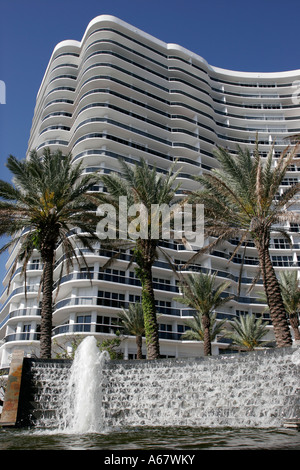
48 197
241 199
201 293
247 332
133 322
290 291
142 185
196 331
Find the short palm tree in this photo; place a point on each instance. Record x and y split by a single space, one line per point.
195 331
247 332
48 197
241 199
290 291
133 321
201 293
142 185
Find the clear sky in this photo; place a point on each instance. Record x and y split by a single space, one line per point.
244 35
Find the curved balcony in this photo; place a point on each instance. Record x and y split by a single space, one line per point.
89 303
219 273
113 278
23 312
101 328
85 328
20 291
17 337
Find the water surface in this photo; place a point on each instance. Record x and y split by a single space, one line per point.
151 438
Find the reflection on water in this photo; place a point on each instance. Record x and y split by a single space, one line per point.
147 438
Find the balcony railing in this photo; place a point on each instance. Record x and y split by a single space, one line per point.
103 328
116 278
27 336
86 328
25 311
119 304
19 313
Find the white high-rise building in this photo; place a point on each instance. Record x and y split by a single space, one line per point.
123 93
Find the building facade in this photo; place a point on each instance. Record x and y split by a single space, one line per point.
122 93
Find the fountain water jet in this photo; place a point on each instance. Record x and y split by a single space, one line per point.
81 410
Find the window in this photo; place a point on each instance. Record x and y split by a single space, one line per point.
165 327
26 331
241 313
247 259
114 275
293 168
135 298
83 323
289 181
280 243
163 303
165 331
84 318
111 299
109 295
86 272
107 324
294 227
264 315
162 281
282 260
103 320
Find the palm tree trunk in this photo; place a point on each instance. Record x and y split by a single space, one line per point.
46 311
206 331
273 293
139 343
145 256
294 320
149 309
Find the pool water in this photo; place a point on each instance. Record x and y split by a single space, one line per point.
151 438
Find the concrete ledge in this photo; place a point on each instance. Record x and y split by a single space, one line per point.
12 392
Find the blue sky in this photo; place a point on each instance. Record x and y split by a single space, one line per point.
252 35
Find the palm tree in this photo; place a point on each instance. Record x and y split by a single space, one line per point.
241 199
290 291
47 199
195 331
247 331
133 322
201 293
141 185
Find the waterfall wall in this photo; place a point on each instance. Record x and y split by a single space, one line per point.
257 389
42 392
